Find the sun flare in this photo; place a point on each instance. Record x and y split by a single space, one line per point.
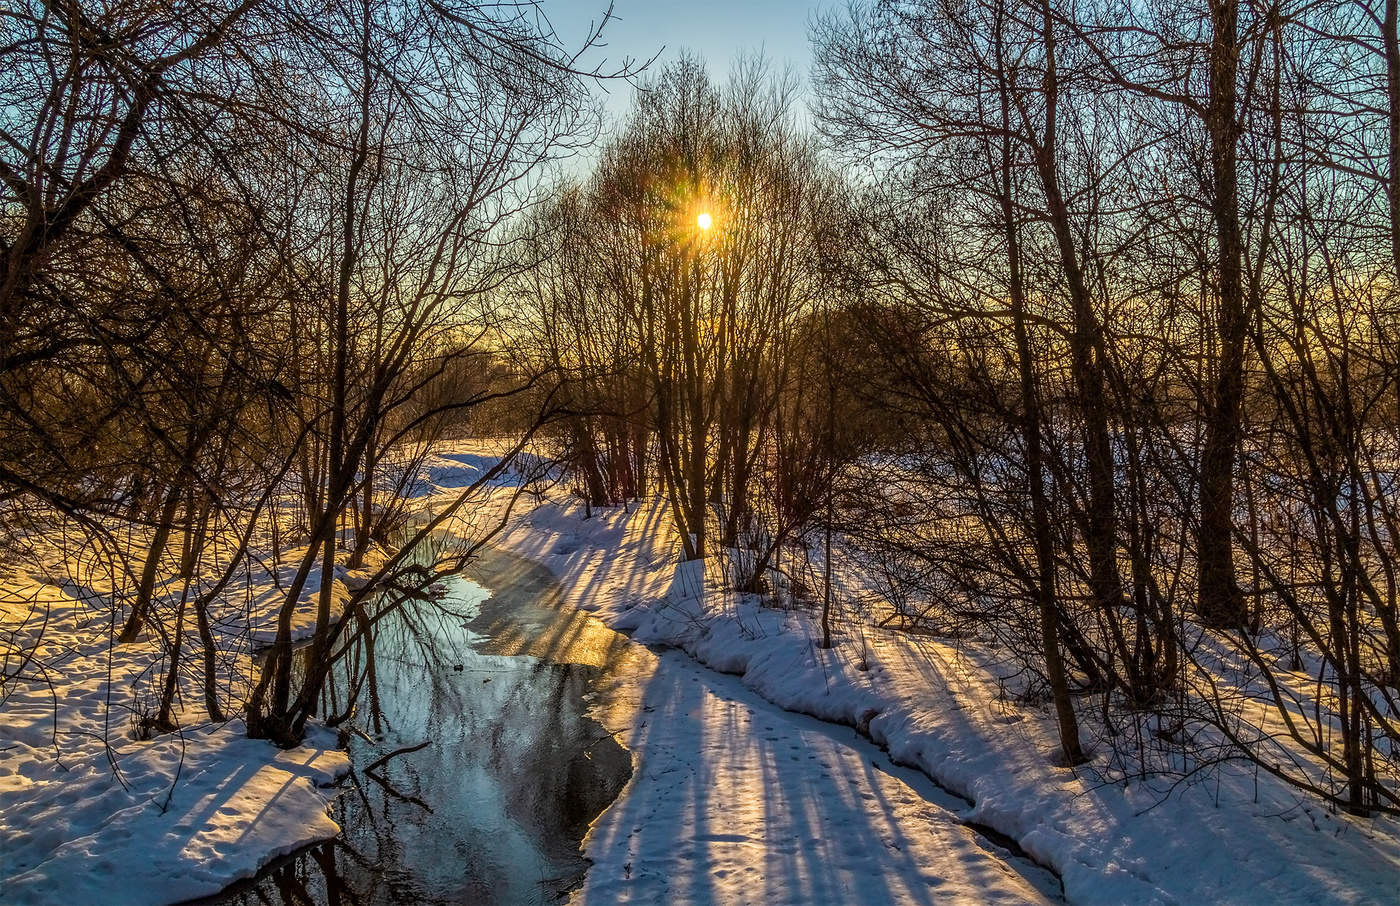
704 221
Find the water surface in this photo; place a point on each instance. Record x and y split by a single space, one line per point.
494 808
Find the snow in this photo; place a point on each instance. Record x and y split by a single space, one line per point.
90 814
735 801
232 810
941 706
736 798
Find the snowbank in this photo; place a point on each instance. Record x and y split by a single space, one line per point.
1240 838
91 814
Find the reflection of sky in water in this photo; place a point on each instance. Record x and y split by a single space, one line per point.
513 776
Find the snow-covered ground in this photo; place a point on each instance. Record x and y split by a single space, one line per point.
938 705
733 801
736 801
90 814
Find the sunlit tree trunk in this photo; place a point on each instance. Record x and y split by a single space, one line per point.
1221 602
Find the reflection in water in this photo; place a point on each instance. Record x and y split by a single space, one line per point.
493 809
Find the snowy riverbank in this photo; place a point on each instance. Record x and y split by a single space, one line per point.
732 802
90 814
1242 838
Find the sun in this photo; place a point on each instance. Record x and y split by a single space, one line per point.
704 221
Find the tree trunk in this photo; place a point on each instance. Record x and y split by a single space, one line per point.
1047 605
1220 602
1087 351
146 588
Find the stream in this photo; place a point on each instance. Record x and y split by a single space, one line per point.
494 807
501 684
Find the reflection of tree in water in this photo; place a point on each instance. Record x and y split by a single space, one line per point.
493 809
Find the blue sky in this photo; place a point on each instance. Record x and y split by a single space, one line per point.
717 30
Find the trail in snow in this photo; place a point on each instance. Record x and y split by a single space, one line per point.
736 801
943 706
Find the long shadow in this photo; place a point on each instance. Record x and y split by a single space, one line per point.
729 790
697 814
714 783
630 535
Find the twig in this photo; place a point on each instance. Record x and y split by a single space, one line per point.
404 751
